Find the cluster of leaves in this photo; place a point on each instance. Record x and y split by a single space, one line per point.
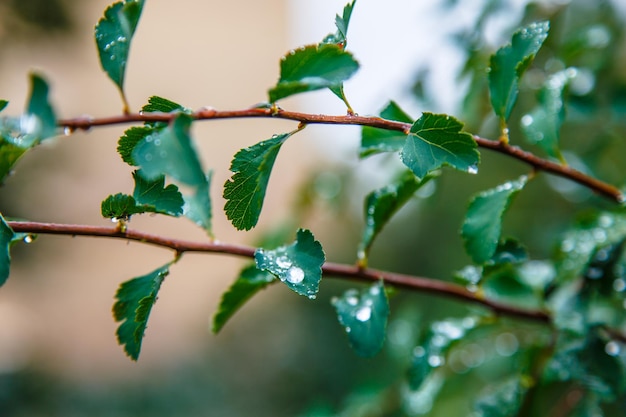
583 291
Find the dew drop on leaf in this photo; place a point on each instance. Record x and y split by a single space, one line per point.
612 348
364 314
295 275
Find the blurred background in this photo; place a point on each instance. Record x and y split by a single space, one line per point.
281 355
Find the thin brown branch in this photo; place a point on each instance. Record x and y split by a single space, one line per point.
351 272
539 164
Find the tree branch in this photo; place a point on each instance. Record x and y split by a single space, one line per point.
600 187
329 269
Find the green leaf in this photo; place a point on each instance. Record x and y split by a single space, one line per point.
504 284
153 196
251 280
510 251
342 22
542 126
158 104
503 399
382 204
375 140
431 353
509 63
36 124
119 206
436 140
298 265
135 299
198 207
579 245
114 33
586 360
6 238
39 106
245 190
312 68
483 221
170 151
364 316
3 104
129 140
9 154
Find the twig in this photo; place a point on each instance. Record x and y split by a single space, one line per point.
330 269
600 187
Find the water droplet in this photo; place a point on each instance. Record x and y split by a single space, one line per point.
67 130
148 157
141 112
295 275
112 58
594 273
352 301
121 38
28 239
605 221
473 169
527 120
114 220
363 314
375 290
157 142
619 285
419 351
283 262
612 348
292 52
348 329
435 361
506 344
312 296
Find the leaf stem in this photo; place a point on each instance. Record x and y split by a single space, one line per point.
602 188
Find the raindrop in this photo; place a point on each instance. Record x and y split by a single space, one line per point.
619 285
473 169
114 220
375 290
363 314
506 344
435 361
283 262
594 273
312 296
527 120
112 58
121 38
28 239
419 351
605 221
295 275
352 300
157 142
68 130
148 157
612 348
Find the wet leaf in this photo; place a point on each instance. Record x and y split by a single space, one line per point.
431 353
3 104
342 22
436 140
483 221
375 140
135 299
119 206
40 107
129 140
503 399
382 204
509 63
154 196
198 207
251 280
6 238
312 68
114 33
364 316
542 126
170 152
9 155
245 190
298 265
